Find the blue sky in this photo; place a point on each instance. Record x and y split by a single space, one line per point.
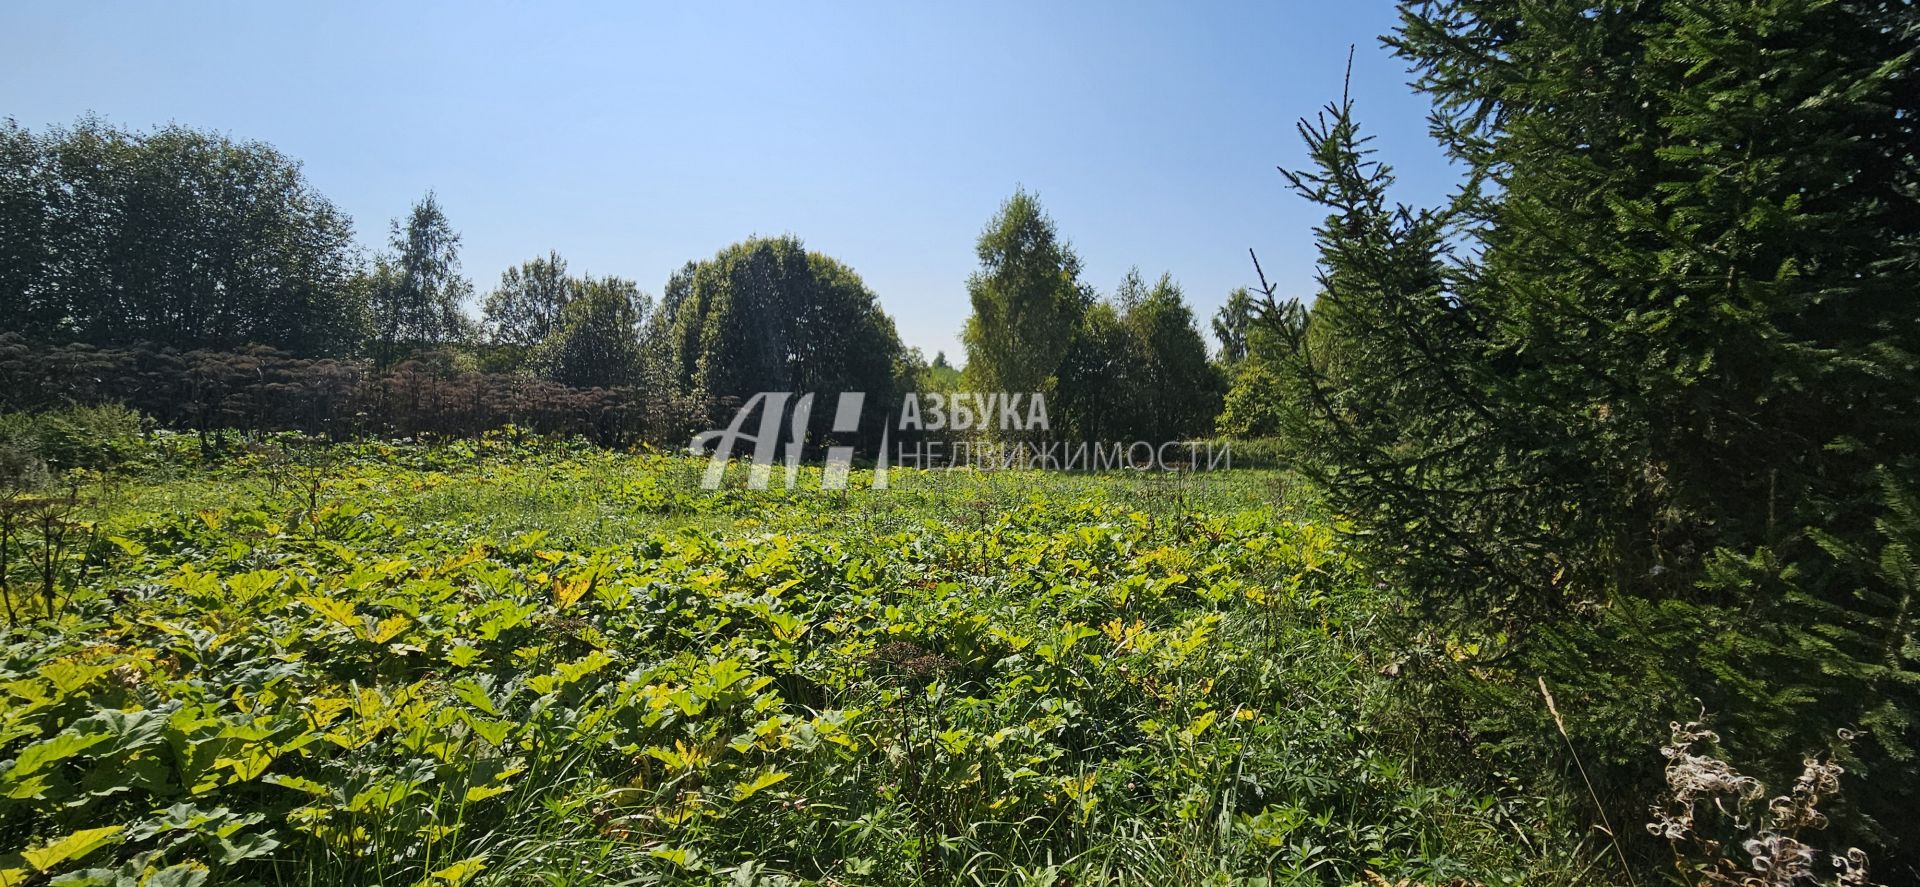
634 137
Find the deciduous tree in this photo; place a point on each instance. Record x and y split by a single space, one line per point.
174 236
419 301
1027 301
767 315
526 306
596 343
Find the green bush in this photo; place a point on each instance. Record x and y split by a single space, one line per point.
99 438
20 462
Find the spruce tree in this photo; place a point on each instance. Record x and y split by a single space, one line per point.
1638 408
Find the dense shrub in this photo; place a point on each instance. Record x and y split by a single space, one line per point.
21 466
98 437
34 446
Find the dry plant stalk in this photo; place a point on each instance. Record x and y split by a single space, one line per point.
1776 854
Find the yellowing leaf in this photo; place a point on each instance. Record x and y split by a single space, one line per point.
253 761
787 627
333 608
325 710
470 692
33 787
684 857
748 789
568 672
681 756
483 792
460 872
567 592
489 729
297 783
473 555
390 628
380 797
74 846
68 676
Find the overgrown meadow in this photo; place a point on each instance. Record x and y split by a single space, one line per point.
500 663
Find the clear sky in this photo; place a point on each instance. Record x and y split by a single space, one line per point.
633 137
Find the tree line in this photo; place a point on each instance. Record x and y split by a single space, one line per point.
186 241
1128 366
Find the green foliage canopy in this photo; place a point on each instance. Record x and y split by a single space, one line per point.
1027 300
1136 368
766 314
527 304
174 236
596 343
415 295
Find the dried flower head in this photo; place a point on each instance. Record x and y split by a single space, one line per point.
1693 776
912 664
1776 855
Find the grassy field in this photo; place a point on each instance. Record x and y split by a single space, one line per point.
489 664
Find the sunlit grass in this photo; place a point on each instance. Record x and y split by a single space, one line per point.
496 665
